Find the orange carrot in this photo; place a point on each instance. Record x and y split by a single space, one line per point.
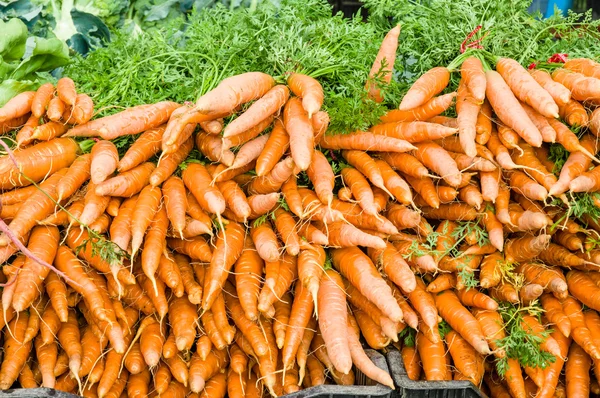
431 108
56 108
432 358
128 122
582 87
559 93
105 159
300 130
234 91
267 105
381 71
40 100
198 181
526 88
146 145
509 110
412 132
17 106
471 72
169 163
426 86
467 110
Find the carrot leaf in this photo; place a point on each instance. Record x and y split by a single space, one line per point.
407 335
444 329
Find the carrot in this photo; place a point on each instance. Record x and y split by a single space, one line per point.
105 159
83 109
547 132
472 74
531 326
471 195
37 162
248 269
128 122
574 114
262 204
582 87
395 184
56 108
267 105
169 163
441 283
333 314
574 170
146 146
274 149
395 267
568 139
432 358
473 298
579 330
77 175
297 124
288 271
500 152
526 88
65 88
525 248
583 288
128 183
179 370
555 314
407 132
361 360
484 126
577 372
438 160
426 86
360 188
43 243
559 93
351 262
451 211
344 235
212 147
509 110
461 320
552 372
198 181
15 350
138 384
465 358
467 110
37 207
431 108
144 212
214 334
234 91
196 248
381 71
228 249
40 100
249 329
527 187
69 339
549 278
46 355
17 106
281 318
402 217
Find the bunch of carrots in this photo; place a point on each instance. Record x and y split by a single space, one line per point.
222 253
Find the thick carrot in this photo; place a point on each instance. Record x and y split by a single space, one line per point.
461 320
467 109
128 122
169 163
332 315
527 187
550 278
509 110
17 106
228 249
83 109
555 314
574 114
574 169
143 213
128 183
234 91
300 130
580 332
439 161
56 108
247 135
322 177
212 147
577 372
473 298
582 87
526 88
432 358
105 159
70 340
465 358
15 351
144 147
40 100
46 355
361 189
37 207
426 86
168 272
196 248
552 372
431 108
267 105
65 88
37 162
274 148
416 131
473 76
559 93
43 243
198 181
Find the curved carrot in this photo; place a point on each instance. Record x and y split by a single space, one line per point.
41 99
56 108
83 109
467 110
426 86
198 181
577 372
582 87
17 106
144 147
431 108
559 92
65 88
472 73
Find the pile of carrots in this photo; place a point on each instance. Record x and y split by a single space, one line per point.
221 253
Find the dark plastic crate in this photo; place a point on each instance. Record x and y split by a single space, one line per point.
407 388
365 387
35 393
